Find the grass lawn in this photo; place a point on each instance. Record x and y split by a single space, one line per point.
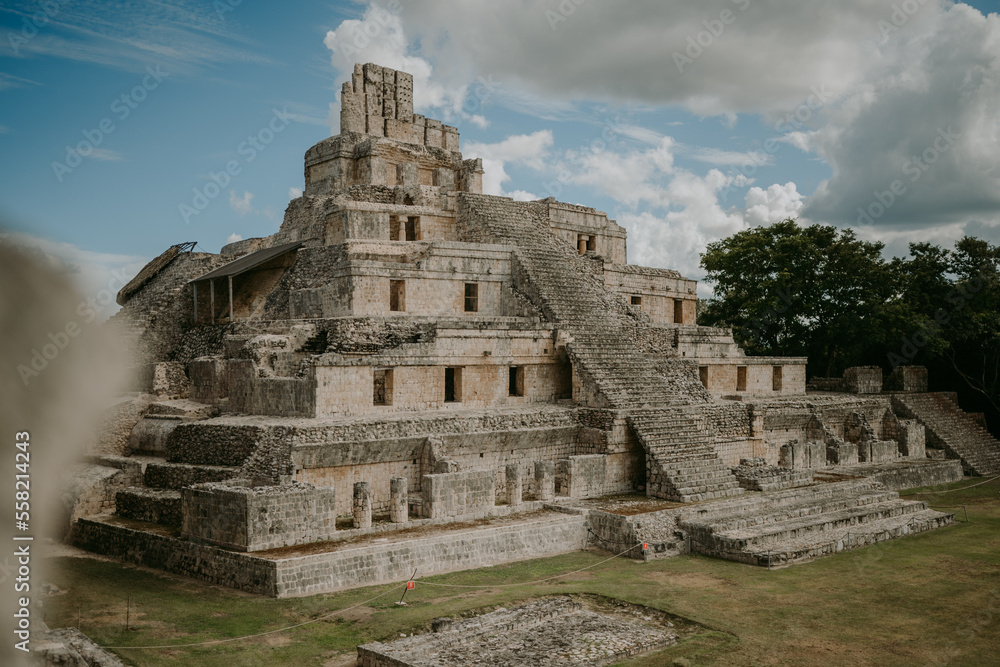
928 599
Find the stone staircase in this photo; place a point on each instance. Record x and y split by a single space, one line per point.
680 464
796 525
159 499
951 428
615 372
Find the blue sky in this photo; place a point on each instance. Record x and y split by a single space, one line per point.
666 115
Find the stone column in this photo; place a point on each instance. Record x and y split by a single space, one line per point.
362 505
398 512
513 485
545 475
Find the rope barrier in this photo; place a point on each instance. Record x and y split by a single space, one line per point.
934 493
269 632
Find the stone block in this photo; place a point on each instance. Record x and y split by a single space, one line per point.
545 478
910 379
514 487
863 380
450 138
362 505
352 111
399 130
398 509
432 137
404 96
457 494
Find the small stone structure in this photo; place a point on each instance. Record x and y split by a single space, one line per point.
238 515
469 493
550 631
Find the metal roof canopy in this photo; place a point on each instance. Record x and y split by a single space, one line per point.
247 262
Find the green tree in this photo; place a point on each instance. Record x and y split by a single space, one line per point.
810 291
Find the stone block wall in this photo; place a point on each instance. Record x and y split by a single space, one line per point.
863 380
910 379
878 451
594 475
458 494
803 455
213 443
237 515
278 396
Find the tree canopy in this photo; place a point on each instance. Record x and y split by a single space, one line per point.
821 292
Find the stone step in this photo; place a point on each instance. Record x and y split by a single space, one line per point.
162 506
178 475
797 550
826 522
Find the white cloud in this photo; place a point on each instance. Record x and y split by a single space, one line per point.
242 205
777 203
721 158
529 150
521 195
233 238
927 117
294 193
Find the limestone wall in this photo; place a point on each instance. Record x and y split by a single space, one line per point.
237 515
657 289
460 493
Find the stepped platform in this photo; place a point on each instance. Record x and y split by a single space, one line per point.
322 567
953 430
797 525
162 506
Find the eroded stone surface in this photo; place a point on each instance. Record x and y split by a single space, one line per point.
551 631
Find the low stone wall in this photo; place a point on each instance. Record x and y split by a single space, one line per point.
279 396
164 379
658 530
177 475
591 476
367 565
802 455
460 550
458 493
162 552
904 474
213 443
239 516
878 451
152 505
117 423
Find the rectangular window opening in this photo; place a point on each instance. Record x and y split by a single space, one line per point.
397 296
394 228
382 386
592 244
776 377
515 383
636 300
452 385
399 174
472 297
412 228
741 378
703 375
678 311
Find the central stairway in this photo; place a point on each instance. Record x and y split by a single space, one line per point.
661 401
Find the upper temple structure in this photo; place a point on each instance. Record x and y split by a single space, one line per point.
407 348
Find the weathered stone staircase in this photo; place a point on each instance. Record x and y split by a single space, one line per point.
680 458
159 500
954 430
795 525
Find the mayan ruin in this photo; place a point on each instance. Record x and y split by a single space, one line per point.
410 375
